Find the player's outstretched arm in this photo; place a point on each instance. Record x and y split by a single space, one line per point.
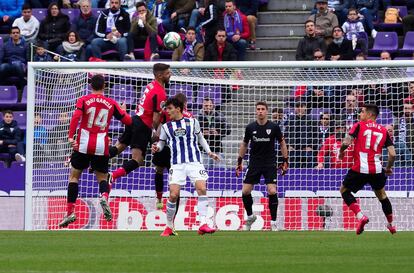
242 153
391 159
284 150
121 114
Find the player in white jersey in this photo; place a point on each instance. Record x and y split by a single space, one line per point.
183 136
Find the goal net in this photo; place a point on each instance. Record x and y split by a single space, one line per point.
314 104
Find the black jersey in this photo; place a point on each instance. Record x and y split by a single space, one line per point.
262 138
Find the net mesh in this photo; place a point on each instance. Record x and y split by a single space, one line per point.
313 107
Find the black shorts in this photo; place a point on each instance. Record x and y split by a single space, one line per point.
253 174
82 161
356 181
163 158
138 135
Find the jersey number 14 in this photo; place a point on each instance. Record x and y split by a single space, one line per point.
101 119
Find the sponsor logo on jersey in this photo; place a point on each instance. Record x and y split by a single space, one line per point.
180 132
261 139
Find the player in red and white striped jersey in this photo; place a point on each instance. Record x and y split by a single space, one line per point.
94 112
369 140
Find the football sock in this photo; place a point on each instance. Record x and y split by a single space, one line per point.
159 184
104 189
171 209
273 203
387 209
73 191
113 151
202 208
126 168
348 198
177 206
248 203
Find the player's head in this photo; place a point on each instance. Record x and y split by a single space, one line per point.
277 114
183 98
174 107
369 111
408 109
37 119
162 72
7 116
261 110
339 129
98 83
208 105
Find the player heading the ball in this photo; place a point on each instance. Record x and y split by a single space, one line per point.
183 136
369 139
91 147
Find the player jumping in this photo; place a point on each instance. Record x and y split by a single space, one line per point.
182 135
94 111
369 139
262 134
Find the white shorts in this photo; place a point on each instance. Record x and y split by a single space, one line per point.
194 170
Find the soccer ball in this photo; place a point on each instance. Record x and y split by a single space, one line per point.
172 40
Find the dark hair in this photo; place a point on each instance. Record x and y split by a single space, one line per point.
263 103
181 97
325 113
76 35
140 4
353 9
11 30
159 67
8 112
361 54
49 14
26 6
277 110
336 27
307 21
219 30
318 50
233 1
191 28
300 104
97 82
175 102
372 108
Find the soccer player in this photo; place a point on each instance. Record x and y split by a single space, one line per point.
262 134
369 139
94 112
182 134
162 159
148 117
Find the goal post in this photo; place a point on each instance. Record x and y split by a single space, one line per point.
304 94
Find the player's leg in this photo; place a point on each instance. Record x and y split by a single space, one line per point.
117 149
159 185
251 178
202 207
378 185
273 204
100 165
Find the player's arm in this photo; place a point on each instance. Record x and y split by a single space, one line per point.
391 155
346 142
121 115
156 120
159 146
74 122
283 149
242 151
321 155
156 109
203 142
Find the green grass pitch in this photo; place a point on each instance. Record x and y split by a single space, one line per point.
247 252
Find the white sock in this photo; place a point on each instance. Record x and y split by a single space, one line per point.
202 206
273 223
359 215
171 208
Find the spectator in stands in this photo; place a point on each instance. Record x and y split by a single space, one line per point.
324 128
340 49
350 111
112 29
143 29
237 29
408 22
385 56
330 148
11 138
162 15
180 13
279 118
197 13
404 155
249 8
28 24
72 48
127 5
85 24
300 145
309 43
405 126
58 140
316 97
340 8
354 31
190 50
209 23
214 128
40 138
368 9
13 59
54 27
358 92
410 94
221 50
324 19
9 11
318 55
41 55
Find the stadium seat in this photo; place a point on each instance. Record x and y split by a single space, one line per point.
213 92
387 41
72 13
40 14
402 11
20 117
96 12
166 54
1 42
24 95
186 89
8 96
403 58
408 46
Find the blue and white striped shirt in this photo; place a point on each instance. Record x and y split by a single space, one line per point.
183 136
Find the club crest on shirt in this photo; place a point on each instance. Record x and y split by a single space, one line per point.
180 132
268 131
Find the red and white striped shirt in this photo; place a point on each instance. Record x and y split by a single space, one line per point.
370 138
95 111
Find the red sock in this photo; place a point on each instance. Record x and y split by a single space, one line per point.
159 195
389 218
118 173
70 208
105 195
355 208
